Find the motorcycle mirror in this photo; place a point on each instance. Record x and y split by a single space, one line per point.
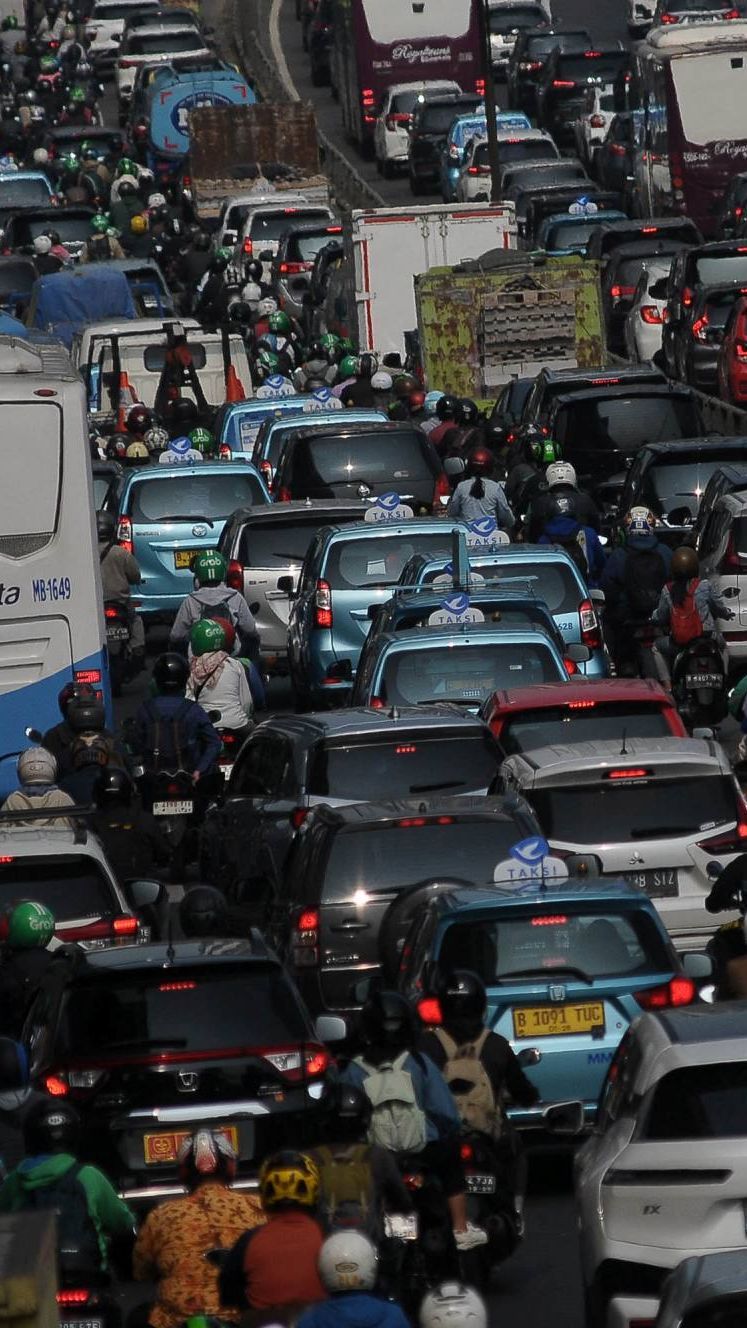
331 1028
529 1056
143 893
454 465
698 965
33 735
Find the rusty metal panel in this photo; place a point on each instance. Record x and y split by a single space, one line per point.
226 141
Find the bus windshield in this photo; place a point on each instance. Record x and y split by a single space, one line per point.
711 96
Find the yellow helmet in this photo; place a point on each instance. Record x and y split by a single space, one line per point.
138 224
289 1178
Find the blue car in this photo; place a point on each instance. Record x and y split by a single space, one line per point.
462 129
565 233
170 514
237 424
568 964
550 574
274 431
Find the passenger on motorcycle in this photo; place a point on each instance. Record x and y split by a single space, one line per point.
217 681
44 260
38 791
360 393
26 934
728 946
688 607
131 837
632 580
348 1267
176 1236
171 732
61 737
580 542
479 494
203 911
102 244
358 1181
119 573
561 492
214 599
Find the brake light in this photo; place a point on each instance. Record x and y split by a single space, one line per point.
669 18
397 118
111 612
581 705
308 920
411 822
124 533
376 703
235 575
125 926
294 269
480 87
56 1086
699 327
6 858
87 675
650 314
406 749
740 350
621 292
441 492
571 667
590 633
305 939
298 816
563 83
687 297
738 212
323 605
247 246
478 170
550 920
731 14
529 66
633 772
367 97
265 470
592 55
732 841
73 1296
597 122
678 991
429 1010
224 452
283 494
177 986
287 1061
127 64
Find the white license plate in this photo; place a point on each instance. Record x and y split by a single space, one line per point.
703 680
117 633
81 1323
661 884
478 1183
184 808
225 770
401 1226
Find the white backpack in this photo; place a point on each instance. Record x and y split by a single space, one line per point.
398 1123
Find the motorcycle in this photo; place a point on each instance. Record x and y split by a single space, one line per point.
699 683
82 1297
119 644
418 1250
491 1202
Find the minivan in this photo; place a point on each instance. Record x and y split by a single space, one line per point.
362 461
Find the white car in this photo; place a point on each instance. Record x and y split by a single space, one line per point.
706 1289
105 27
392 127
265 222
639 15
645 319
658 812
151 47
590 129
664 1175
514 146
506 18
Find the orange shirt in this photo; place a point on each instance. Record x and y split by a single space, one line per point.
280 1262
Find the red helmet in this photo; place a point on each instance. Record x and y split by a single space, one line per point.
138 419
229 631
417 400
480 461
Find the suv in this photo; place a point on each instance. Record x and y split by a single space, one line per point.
363 460
152 1041
722 549
695 342
297 248
532 48
525 718
394 117
620 278
274 431
267 219
716 263
729 477
552 383
430 125
566 77
671 478
675 231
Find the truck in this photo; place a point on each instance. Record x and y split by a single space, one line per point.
369 294
506 315
172 96
264 148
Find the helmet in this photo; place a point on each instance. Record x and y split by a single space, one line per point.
156 438
206 635
106 526
40 157
367 365
37 766
201 240
461 995
348 1261
268 360
545 450
9 23
229 632
49 64
480 461
381 381
684 563
388 1021
254 270
251 295
639 521
279 322
137 451
267 306
157 201
100 223
54 237
348 1109
51 1127
126 166
219 263
86 714
452 1305
170 673
288 1178
348 367
203 911
70 690
68 32
138 419
113 788
27 925
76 95
404 384
14 1066
560 472
431 401
240 311
202 439
42 244
183 413
448 408
470 413
89 151
206 1155
139 224
210 568
117 445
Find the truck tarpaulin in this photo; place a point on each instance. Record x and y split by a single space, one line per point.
174 104
65 302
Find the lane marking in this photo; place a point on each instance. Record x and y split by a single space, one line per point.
276 45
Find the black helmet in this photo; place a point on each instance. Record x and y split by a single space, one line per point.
14 1066
240 312
449 408
73 690
348 1109
203 912
113 788
183 414
219 263
685 563
253 270
388 1021
51 1127
170 673
368 365
470 413
461 995
403 385
117 445
201 240
317 351
85 714
106 526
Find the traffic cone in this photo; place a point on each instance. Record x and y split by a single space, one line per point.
125 391
234 388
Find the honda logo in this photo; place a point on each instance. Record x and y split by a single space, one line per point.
187 1081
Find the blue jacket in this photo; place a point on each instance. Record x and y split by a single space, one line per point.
613 576
201 743
562 529
354 1309
431 1091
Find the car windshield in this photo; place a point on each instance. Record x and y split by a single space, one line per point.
669 485
202 1009
569 234
271 225
380 860
465 673
68 228
552 582
71 886
712 268
581 721
598 944
655 808
323 462
699 1102
22 193
437 118
193 497
510 18
626 423
401 767
277 543
356 563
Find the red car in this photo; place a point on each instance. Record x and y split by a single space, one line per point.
597 708
732 356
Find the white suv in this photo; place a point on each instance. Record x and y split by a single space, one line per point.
105 27
722 549
392 126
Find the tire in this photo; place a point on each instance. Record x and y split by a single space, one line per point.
397 920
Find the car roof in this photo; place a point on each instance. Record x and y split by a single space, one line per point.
599 754
683 446
155 471
374 529
653 389
175 954
361 720
354 428
596 691
299 507
476 898
140 326
602 376
48 841
424 638
358 815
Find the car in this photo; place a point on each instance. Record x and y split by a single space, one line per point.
292 763
22 191
615 155
695 11
667 1153
108 477
584 203
320 36
461 664
506 414
431 121
153 46
671 478
237 423
349 864
105 26
263 545
267 220
696 341
278 427
154 1041
461 130
161 16
731 378
473 183
506 19
539 173
722 549
566 78
656 811
61 139
592 124
297 248
363 461
394 117
531 49
563 233
620 278
550 384
679 232
732 205
17 276
718 263
706 1288
346 570
512 606
729 477
567 964
166 519
524 718
645 317
540 183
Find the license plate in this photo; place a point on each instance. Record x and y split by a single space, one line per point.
183 557
162 1148
117 633
480 1184
703 680
80 1323
225 770
656 884
401 1226
184 808
558 1020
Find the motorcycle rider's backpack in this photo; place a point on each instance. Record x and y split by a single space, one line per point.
684 620
167 746
398 1121
470 1083
220 610
643 578
346 1188
76 1232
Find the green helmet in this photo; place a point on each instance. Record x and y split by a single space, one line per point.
28 925
207 635
76 94
268 360
127 166
202 439
100 223
224 252
87 149
210 568
546 451
279 322
48 64
70 162
10 23
330 341
346 346
349 366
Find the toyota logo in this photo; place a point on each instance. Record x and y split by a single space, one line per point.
199 531
187 1081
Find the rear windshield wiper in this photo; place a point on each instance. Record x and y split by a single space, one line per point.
434 788
147 1042
548 973
182 516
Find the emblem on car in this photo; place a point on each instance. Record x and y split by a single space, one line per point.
187 1081
556 991
636 858
199 531
363 491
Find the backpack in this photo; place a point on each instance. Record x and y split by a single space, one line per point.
220 610
347 1189
470 1083
643 578
398 1122
167 746
684 620
76 1233
576 550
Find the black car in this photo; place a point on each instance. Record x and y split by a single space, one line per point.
671 478
561 200
732 207
430 124
620 279
717 263
332 921
674 230
17 276
68 138
553 383
108 477
319 42
695 342
360 461
73 225
152 1041
613 163
507 412
729 477
566 78
532 49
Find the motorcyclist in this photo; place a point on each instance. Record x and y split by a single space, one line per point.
280 338
632 579
449 416
102 244
61 736
195 262
348 1268
728 945
136 238
431 420
212 598
132 840
26 932
44 260
561 495
452 1305
479 495
120 571
526 461
580 542
38 791
359 1181
688 608
360 393
211 305
177 1235
171 732
346 371
217 681
315 367
127 204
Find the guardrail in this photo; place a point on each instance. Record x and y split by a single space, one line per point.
349 189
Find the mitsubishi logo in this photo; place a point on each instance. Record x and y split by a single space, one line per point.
636 859
556 991
187 1081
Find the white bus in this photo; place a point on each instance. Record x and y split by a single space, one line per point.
51 610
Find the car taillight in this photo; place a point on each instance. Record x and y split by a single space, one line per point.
699 328
590 633
740 350
305 939
563 83
323 605
56 1086
298 816
125 926
678 991
397 118
480 87
687 297
570 666
529 66
669 18
597 122
283 494
376 703
621 292
105 929
265 470
429 1010
316 1060
224 452
124 533
111 612
616 149
294 269
127 64
441 492
247 246
367 98
478 170
733 840
87 675
235 576
73 1296
650 314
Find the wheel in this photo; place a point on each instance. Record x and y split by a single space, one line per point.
399 916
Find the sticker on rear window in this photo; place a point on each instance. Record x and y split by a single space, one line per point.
530 862
455 608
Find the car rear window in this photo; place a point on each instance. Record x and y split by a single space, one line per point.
582 721
467 675
24 193
271 225
719 304
401 767
178 1008
277 543
554 172
16 277
670 484
596 944
378 562
304 248
509 18
643 809
553 582
569 234
589 64
373 459
437 119
193 498
154 356
518 149
163 43
700 1102
71 886
626 423
540 46
68 228
712 268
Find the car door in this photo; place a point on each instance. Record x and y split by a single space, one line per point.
262 793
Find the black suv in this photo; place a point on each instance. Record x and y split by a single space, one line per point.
566 78
713 264
552 383
675 231
670 478
532 49
151 1041
428 130
361 461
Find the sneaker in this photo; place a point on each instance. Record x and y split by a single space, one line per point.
471 1238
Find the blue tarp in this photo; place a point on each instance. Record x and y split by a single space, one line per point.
172 102
10 327
65 302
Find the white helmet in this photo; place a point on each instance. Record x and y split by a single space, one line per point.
36 766
42 244
560 472
41 156
267 306
453 1305
127 179
157 200
348 1262
381 381
252 293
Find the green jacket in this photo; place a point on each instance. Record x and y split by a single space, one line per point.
109 1215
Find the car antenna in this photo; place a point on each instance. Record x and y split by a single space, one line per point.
394 713
623 749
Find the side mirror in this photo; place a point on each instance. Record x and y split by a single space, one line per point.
266 256
331 1028
698 965
598 598
287 586
564 1118
577 653
529 1056
144 893
361 990
230 237
33 735
341 671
